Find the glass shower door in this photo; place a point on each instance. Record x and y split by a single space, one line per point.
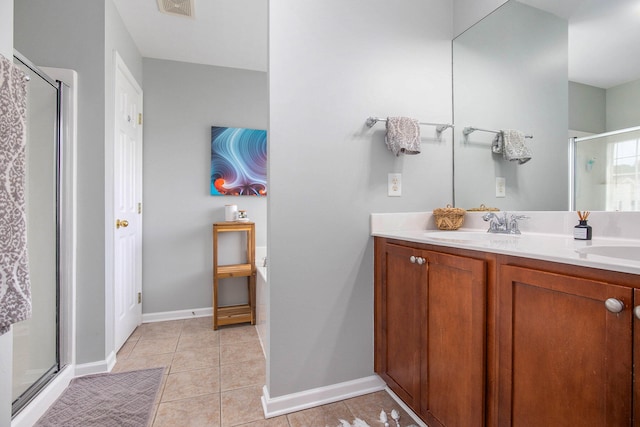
36 340
607 171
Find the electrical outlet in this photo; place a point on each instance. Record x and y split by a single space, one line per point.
394 184
501 186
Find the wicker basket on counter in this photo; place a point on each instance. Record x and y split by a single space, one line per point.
449 218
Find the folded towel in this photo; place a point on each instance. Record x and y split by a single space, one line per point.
403 135
497 144
514 146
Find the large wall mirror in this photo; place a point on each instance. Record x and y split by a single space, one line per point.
551 70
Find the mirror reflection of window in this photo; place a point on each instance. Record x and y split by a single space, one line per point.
623 176
607 171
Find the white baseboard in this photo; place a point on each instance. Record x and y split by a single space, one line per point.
319 396
177 315
99 367
39 405
111 361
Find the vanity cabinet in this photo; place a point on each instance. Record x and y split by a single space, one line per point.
430 329
398 291
468 338
565 347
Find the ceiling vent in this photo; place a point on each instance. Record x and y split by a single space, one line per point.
176 7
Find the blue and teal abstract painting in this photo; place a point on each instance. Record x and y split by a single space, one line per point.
238 162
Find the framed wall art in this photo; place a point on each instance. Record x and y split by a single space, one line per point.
238 161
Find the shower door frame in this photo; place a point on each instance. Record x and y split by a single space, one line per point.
22 401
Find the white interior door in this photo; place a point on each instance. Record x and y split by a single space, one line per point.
127 190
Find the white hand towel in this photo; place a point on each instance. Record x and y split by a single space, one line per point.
15 289
403 135
514 146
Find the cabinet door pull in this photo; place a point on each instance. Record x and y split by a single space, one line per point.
614 305
636 311
412 259
421 260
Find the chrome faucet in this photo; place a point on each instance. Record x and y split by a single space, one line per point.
503 224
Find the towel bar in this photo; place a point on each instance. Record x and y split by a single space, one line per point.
440 127
470 129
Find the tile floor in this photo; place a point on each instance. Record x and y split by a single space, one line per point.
215 378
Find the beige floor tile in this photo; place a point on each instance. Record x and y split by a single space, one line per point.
243 352
126 349
198 324
171 325
271 422
190 360
234 334
143 362
159 335
161 330
201 362
183 385
368 407
241 406
154 346
239 375
201 411
321 416
199 341
135 335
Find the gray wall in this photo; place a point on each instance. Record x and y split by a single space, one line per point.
328 171
181 102
81 35
623 106
596 110
510 72
6 340
587 108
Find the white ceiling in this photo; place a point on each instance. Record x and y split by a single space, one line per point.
226 33
604 35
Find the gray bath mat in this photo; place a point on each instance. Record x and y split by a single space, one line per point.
106 400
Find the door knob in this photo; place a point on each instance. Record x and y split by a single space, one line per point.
122 223
614 305
636 311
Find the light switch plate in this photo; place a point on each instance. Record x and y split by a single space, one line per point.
501 186
394 185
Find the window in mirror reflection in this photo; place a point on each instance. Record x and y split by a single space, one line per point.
622 194
607 171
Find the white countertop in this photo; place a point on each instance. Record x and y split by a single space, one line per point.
562 248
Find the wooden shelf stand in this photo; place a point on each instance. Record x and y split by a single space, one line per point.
243 313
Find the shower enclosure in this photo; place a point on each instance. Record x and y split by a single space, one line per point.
606 171
36 345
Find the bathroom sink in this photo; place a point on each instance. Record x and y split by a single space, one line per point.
468 236
621 252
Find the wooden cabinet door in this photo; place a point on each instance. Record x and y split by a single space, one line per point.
564 359
636 352
453 337
398 321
